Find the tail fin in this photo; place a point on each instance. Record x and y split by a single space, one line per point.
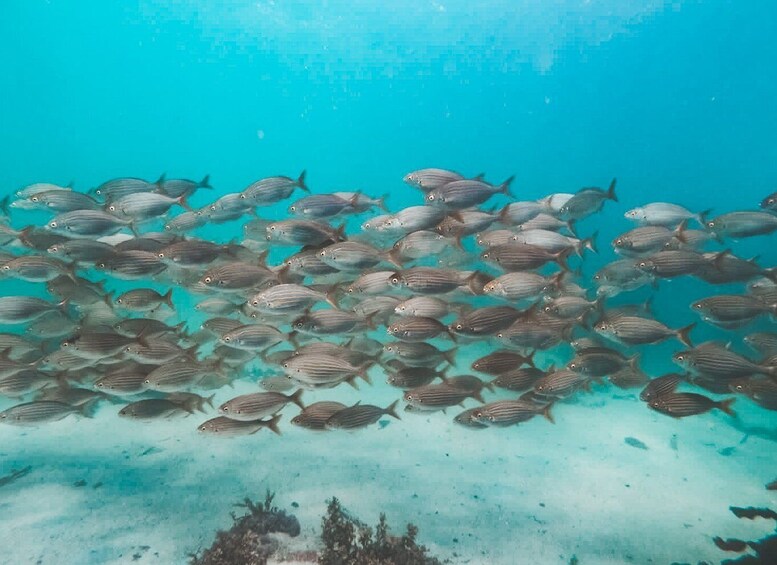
682 334
504 215
679 231
504 188
381 202
205 182
273 424
167 298
296 398
590 243
725 406
611 191
331 296
391 410
362 372
183 203
547 415
89 408
450 355
561 258
301 182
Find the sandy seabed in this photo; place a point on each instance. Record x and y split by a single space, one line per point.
536 493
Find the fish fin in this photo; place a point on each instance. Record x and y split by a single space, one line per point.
679 231
340 233
381 202
682 334
191 352
391 410
273 424
634 362
88 408
161 180
489 386
301 182
63 306
611 191
183 203
771 274
561 258
701 217
331 296
477 396
363 371
205 182
393 256
547 415
504 188
352 381
370 321
450 355
725 406
718 258
504 215
167 298
292 337
283 273
208 400
571 227
590 242
479 177
470 282
261 259
4 205
529 359
296 398
452 335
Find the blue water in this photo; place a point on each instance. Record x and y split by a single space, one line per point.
675 99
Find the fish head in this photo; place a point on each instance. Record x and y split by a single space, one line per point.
646 265
622 242
434 198
683 358
603 327
412 179
741 386
634 214
699 305
410 396
769 201
395 279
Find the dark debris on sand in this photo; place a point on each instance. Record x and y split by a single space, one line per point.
247 542
764 549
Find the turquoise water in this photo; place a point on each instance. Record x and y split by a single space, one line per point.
675 99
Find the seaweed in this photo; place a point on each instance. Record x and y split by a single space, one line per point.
349 542
247 542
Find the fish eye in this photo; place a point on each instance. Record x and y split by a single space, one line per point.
118 301
111 208
243 196
292 208
430 197
619 242
642 264
161 255
710 224
147 381
680 357
458 326
255 302
395 280
34 198
485 255
227 339
207 280
6 268
500 335
52 224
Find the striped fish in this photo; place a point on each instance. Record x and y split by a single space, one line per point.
360 416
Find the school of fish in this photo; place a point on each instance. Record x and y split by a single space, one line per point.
301 303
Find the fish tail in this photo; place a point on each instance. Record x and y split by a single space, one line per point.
352 382
450 355
529 359
679 231
571 227
701 217
207 400
504 215
547 415
725 406
161 180
340 233
273 424
771 274
88 408
561 258
451 335
683 334
391 410
590 243
381 202
4 205
504 188
167 298
301 182
205 182
611 191
477 396
183 203
470 282
634 362
296 398
331 296
394 256
363 371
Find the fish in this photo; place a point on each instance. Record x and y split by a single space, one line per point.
176 188
520 256
429 179
226 427
717 361
322 206
485 321
273 189
258 405
638 330
417 328
330 322
420 354
683 404
519 379
460 194
289 297
660 386
429 280
87 223
504 413
303 232
587 201
315 416
732 307
22 309
741 224
42 411
664 214
359 416
150 409
144 205
118 187
501 361
57 200
144 300
670 264
439 396
413 377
